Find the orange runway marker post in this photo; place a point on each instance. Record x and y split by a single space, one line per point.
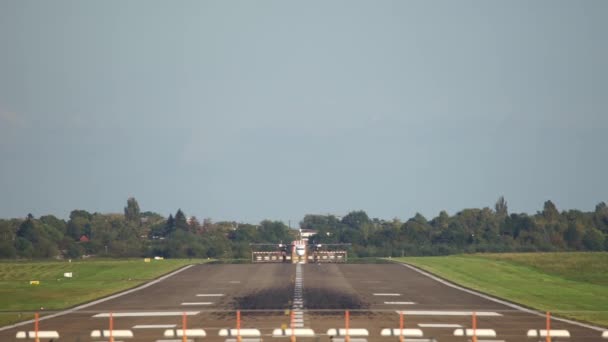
111 328
36 327
293 333
548 338
401 327
346 323
474 327
184 338
238 326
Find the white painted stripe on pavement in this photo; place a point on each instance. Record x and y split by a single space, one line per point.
495 300
210 295
404 332
41 334
447 313
189 333
147 314
115 333
477 332
552 333
197 303
399 303
243 332
296 332
388 294
95 302
154 326
351 332
439 325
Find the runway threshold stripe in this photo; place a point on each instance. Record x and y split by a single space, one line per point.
448 313
146 314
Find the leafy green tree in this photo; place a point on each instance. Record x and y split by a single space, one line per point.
593 240
181 223
600 217
356 219
132 212
502 210
550 212
7 250
573 236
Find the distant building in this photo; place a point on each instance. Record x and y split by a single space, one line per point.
307 233
84 238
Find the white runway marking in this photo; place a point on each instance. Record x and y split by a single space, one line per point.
147 314
447 313
388 294
477 332
114 333
439 325
235 282
399 303
197 303
210 295
41 334
154 326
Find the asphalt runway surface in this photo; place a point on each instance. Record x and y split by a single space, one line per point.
264 293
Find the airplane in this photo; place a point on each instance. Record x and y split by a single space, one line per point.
298 251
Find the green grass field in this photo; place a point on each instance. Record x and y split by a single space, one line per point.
572 285
92 279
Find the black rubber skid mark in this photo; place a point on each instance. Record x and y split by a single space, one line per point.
314 299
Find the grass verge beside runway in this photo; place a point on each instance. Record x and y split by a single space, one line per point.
572 285
91 279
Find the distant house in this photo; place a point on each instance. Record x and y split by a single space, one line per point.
306 233
84 238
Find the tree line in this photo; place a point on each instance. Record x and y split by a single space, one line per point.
468 231
144 234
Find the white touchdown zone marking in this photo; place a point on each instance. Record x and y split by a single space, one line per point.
439 325
146 314
448 313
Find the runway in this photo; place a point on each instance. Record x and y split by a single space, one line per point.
266 294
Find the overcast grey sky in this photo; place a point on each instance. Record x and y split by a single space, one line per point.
247 110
